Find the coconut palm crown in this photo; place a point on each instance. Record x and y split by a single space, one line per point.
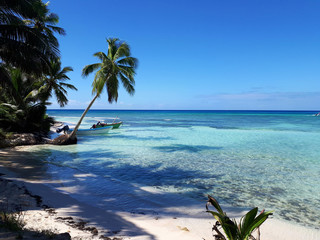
55 82
115 66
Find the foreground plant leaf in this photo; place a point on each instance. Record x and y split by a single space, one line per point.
233 230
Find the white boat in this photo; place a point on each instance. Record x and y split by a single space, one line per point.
91 131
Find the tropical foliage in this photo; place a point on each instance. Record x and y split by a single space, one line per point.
30 68
233 230
55 83
24 45
20 108
114 67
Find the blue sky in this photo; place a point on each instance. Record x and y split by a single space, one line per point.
204 54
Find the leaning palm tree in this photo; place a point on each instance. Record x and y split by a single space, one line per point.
115 66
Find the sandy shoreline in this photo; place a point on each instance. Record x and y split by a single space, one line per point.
157 216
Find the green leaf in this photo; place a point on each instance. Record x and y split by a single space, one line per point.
259 220
246 221
233 231
215 204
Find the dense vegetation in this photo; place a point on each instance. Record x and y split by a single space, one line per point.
31 72
30 67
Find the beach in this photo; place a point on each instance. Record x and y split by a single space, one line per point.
121 186
166 220
153 134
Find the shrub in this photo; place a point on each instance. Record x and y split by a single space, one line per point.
233 230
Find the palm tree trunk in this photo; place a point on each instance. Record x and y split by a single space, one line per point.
72 136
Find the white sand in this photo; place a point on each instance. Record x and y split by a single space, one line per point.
160 218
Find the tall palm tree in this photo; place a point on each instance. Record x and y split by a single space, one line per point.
21 45
54 82
115 66
45 22
27 45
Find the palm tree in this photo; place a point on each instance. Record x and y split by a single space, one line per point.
21 45
115 66
45 22
28 75
21 109
55 83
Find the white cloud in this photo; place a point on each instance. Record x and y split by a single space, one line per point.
264 100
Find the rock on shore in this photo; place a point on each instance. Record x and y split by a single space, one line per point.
19 139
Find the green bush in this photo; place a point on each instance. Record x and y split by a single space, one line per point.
233 230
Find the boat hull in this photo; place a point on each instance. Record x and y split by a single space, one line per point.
115 125
93 131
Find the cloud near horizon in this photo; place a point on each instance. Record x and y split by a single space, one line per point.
255 100
98 104
250 100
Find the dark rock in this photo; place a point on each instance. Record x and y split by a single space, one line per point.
105 237
64 218
63 236
93 230
80 225
64 140
19 139
109 238
51 211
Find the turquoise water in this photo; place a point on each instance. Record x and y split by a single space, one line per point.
243 158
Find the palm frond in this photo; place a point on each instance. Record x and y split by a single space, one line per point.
101 55
67 85
61 97
127 84
112 86
21 8
90 68
52 18
98 83
129 72
129 61
122 51
112 47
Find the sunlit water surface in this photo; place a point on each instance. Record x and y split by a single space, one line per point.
243 158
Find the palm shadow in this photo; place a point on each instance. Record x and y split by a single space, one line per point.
109 195
186 148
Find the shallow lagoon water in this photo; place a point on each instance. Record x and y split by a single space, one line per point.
243 158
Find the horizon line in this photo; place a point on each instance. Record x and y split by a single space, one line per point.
99 109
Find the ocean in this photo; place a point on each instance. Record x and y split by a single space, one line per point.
268 159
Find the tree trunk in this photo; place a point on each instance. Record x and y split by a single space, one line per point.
72 136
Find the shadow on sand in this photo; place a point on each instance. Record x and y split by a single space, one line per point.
110 196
